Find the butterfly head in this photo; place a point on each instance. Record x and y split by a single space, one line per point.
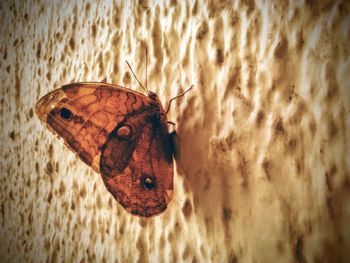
152 95
157 104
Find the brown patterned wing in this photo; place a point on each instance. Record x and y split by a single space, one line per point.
120 133
140 177
84 114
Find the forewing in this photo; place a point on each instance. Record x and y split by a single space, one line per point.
84 114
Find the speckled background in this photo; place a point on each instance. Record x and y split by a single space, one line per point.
262 173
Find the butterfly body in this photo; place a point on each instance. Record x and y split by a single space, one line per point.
120 133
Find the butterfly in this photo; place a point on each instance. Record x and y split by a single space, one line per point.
122 134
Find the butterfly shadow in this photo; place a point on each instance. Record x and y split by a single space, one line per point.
205 164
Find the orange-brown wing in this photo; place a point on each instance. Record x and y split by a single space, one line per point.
84 114
138 168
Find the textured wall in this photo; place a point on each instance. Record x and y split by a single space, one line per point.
262 173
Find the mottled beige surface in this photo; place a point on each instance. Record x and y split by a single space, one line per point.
264 144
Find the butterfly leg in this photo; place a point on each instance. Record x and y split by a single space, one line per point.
173 144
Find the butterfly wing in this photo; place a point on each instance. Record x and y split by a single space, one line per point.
144 187
84 114
120 133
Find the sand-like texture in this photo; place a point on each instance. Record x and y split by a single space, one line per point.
263 166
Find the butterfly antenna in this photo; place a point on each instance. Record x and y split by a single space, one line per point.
136 77
178 96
